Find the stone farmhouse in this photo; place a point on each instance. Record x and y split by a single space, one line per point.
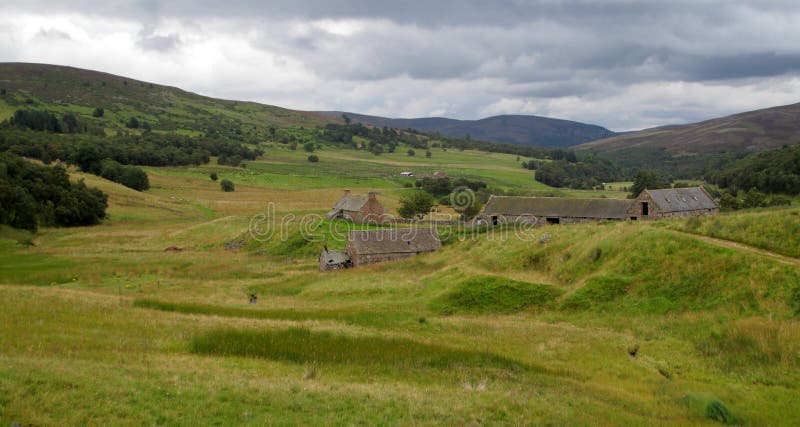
651 204
358 208
673 203
373 246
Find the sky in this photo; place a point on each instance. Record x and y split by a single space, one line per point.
621 64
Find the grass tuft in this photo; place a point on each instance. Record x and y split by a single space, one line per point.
493 294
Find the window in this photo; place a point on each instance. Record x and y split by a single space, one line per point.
645 208
553 220
494 219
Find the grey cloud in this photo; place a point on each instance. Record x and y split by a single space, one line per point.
52 34
166 43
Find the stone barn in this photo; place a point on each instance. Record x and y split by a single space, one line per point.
333 260
371 246
673 203
551 210
358 208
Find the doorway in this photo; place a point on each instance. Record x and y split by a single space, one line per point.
645 208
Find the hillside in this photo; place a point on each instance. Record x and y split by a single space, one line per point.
465 335
513 129
750 131
67 89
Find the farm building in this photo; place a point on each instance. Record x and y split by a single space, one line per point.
358 208
673 203
371 246
333 260
551 210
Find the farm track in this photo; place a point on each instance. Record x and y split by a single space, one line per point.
742 247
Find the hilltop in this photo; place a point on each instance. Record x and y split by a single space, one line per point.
68 89
511 129
751 131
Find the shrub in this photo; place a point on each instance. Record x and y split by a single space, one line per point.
313 158
308 146
411 152
226 185
133 123
98 112
214 176
129 176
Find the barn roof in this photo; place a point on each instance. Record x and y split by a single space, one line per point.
558 207
348 203
682 199
398 240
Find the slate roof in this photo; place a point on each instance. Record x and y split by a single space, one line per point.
561 207
348 203
682 199
398 240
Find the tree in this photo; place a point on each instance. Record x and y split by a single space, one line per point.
272 132
87 157
411 153
346 119
293 146
98 112
214 176
313 158
647 180
415 203
226 186
428 153
309 146
133 123
754 199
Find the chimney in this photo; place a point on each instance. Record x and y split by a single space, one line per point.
371 195
347 192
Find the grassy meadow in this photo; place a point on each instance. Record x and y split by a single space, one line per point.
100 326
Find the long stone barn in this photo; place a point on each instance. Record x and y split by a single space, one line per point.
651 204
551 210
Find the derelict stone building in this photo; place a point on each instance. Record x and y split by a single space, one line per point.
371 246
673 203
333 260
358 208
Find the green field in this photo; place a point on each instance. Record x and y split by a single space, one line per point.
100 326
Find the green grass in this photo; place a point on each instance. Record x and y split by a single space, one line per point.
776 230
597 292
299 345
490 294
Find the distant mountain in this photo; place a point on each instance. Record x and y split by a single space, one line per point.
514 129
751 131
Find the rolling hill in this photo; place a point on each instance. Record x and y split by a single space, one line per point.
67 89
750 131
513 129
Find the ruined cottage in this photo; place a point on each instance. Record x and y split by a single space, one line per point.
672 203
551 210
358 208
333 260
371 246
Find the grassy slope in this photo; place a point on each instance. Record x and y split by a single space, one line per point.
121 325
67 89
